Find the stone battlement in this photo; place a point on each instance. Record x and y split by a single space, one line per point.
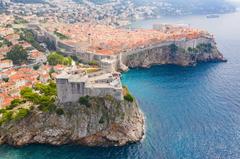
73 84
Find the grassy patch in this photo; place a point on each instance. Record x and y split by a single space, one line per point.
127 95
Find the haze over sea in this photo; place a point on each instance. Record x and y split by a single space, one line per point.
191 112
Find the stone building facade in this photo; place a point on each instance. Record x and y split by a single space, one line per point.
73 84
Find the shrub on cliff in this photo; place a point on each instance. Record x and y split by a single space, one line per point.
47 106
28 94
6 117
84 101
59 111
46 89
43 95
127 94
204 47
129 98
15 103
20 114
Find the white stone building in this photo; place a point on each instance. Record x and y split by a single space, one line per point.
73 84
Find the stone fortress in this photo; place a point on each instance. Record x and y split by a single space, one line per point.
117 49
73 84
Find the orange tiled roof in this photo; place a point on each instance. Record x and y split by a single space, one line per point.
107 40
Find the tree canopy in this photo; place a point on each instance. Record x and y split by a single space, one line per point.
17 54
55 58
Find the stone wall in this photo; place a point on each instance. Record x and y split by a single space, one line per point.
161 54
71 91
102 92
150 55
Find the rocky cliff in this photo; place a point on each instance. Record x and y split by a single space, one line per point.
177 56
101 122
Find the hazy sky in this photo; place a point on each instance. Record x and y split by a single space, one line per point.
233 0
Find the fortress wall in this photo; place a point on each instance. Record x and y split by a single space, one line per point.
194 42
62 90
126 57
161 54
102 92
143 57
69 92
88 57
69 49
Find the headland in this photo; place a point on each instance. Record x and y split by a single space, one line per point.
93 108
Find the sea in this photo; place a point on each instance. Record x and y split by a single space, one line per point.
190 112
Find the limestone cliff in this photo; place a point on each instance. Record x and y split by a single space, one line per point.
165 55
102 122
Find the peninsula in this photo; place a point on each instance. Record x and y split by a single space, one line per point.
123 48
91 107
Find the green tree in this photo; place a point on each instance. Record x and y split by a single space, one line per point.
48 90
42 95
55 58
67 61
17 54
7 42
84 101
5 79
36 67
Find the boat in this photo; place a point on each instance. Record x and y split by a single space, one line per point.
213 16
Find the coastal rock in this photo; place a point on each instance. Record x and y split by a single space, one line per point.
163 55
103 122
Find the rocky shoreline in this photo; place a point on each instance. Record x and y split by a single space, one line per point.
104 122
163 55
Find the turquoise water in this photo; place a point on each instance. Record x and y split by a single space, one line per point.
191 112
